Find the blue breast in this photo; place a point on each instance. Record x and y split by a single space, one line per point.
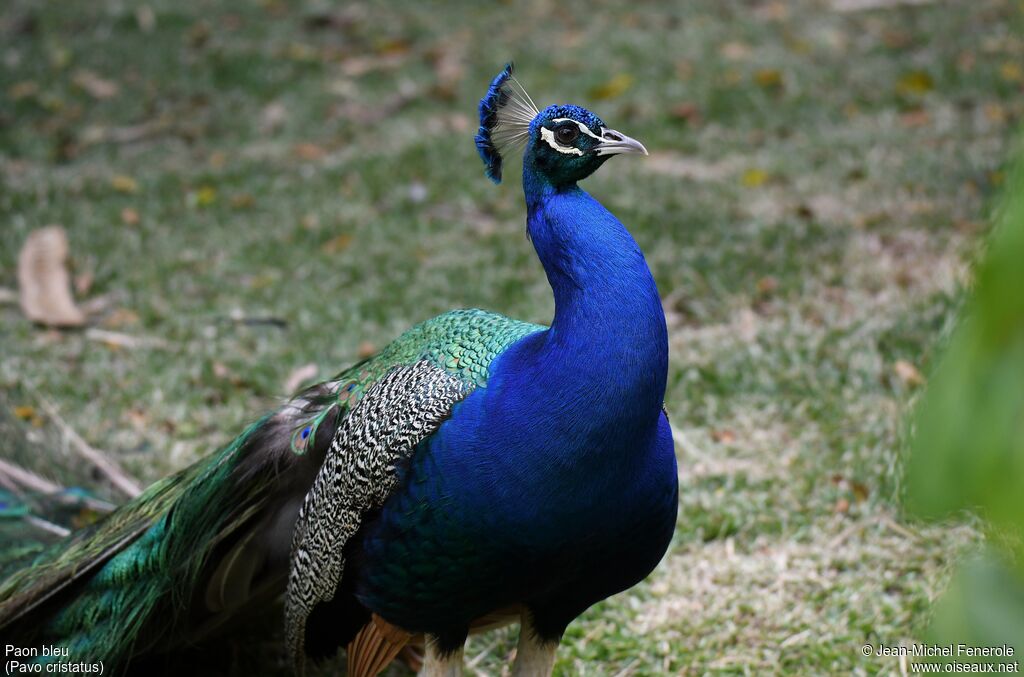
494 512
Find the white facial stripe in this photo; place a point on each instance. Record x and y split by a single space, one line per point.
549 136
583 128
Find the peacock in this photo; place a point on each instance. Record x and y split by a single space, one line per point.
478 471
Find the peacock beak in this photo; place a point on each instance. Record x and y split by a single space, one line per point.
617 143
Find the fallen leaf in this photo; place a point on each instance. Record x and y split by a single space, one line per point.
139 419
735 51
203 197
994 112
915 83
145 18
908 373
29 414
129 216
686 111
366 349
121 317
842 506
94 85
198 34
767 285
300 375
24 412
43 281
23 90
723 436
771 11
915 118
768 78
336 245
897 39
615 87
754 177
308 151
1011 71
393 46
124 184
261 281
242 201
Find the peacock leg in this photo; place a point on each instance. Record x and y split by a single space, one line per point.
436 664
534 656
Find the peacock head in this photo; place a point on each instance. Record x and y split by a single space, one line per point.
563 144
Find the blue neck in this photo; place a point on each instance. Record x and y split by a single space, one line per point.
608 336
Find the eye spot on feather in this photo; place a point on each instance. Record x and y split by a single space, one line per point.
306 431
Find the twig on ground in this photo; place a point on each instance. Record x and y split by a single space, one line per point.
16 478
99 304
903 531
256 321
844 535
119 340
26 479
46 525
866 5
118 477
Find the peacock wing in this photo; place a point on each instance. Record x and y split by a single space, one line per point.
358 474
445 360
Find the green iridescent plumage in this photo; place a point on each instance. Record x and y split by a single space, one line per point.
462 342
198 547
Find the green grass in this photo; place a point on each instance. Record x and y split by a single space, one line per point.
809 226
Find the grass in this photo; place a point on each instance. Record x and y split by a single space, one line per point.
819 184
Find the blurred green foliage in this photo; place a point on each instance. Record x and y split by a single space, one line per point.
969 449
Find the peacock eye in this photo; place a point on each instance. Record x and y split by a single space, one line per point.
567 134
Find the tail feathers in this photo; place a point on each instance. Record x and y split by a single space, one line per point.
193 553
35 513
135 580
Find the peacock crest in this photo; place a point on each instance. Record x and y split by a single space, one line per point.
506 112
